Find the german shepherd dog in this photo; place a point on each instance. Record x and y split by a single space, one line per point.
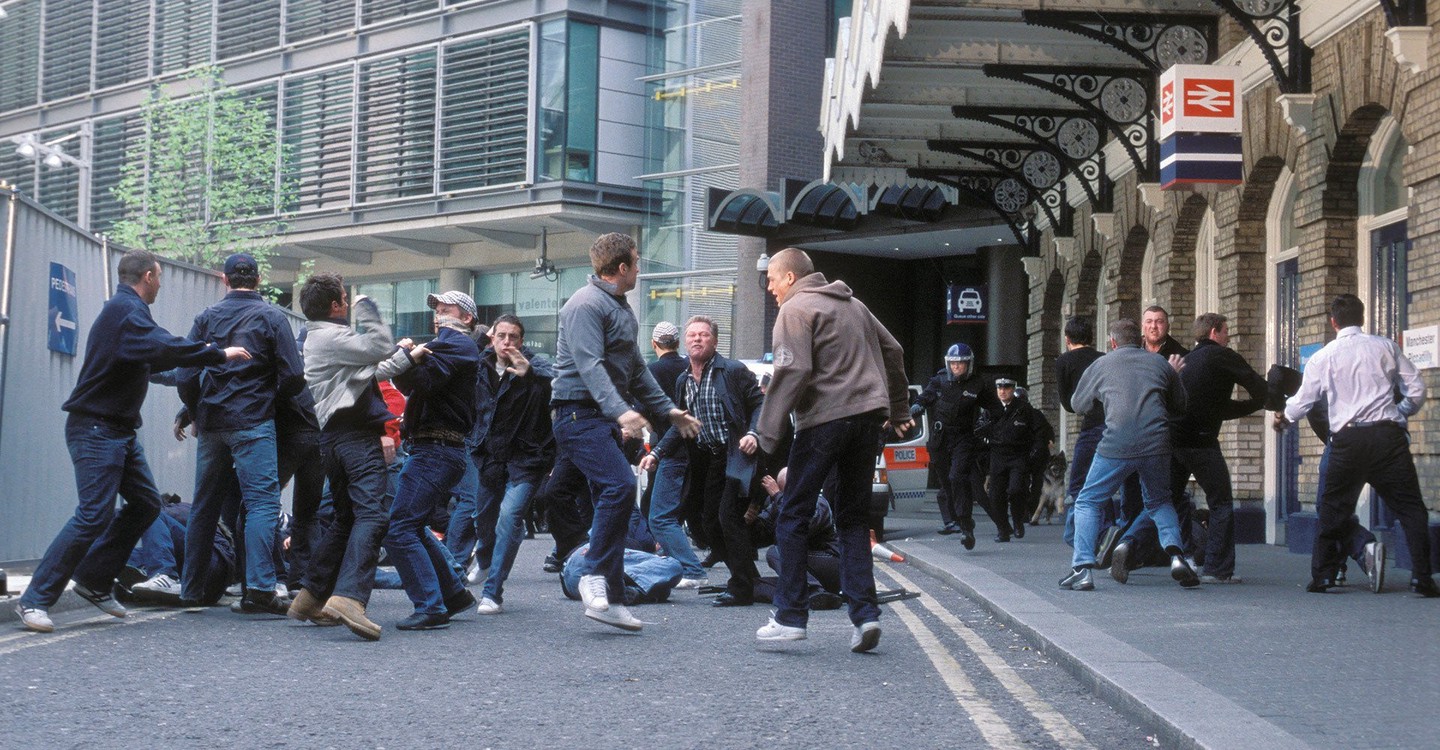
1052 494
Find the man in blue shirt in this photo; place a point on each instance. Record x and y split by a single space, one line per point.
234 409
123 347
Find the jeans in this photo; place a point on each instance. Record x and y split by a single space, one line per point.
665 514
94 544
343 563
460 532
504 500
1105 477
1213 475
249 456
299 459
590 443
849 446
161 548
419 558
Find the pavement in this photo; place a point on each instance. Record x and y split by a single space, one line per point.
1259 664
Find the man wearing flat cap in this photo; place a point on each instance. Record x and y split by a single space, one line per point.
233 405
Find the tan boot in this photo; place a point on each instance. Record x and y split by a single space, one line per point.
308 608
352 613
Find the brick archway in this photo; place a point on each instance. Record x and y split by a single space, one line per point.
1087 285
1176 280
1132 260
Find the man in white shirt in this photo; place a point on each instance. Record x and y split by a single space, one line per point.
1358 375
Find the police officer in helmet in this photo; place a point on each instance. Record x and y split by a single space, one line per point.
954 397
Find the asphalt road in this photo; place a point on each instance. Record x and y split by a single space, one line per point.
542 675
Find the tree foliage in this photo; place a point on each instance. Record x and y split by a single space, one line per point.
201 183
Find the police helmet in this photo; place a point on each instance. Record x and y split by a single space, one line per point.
959 353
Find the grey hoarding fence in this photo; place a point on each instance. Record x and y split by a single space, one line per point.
37 480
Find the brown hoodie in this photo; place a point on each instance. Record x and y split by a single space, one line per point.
833 359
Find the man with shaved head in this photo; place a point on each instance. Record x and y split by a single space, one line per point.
843 375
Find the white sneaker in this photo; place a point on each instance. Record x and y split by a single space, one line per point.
774 631
162 585
281 591
594 593
476 575
34 618
489 606
617 615
692 583
101 599
235 589
866 637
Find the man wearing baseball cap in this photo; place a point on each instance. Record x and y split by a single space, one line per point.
233 405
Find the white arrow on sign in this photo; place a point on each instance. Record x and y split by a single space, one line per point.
1208 97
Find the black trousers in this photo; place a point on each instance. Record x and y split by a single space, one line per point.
1213 475
568 509
962 480
343 563
299 459
1009 485
723 502
1380 456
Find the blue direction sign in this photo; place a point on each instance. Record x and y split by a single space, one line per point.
64 311
966 303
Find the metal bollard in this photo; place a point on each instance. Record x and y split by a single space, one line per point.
4 583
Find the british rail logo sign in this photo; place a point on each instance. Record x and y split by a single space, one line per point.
1201 118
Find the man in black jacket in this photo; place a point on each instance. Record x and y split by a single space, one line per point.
1015 431
515 452
1080 353
123 346
955 396
1212 370
234 406
719 464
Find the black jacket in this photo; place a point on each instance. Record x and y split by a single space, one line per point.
513 419
1211 373
667 370
1169 347
123 347
1068 369
740 398
243 393
1018 429
955 405
440 388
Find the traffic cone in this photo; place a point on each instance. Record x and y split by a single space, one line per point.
881 552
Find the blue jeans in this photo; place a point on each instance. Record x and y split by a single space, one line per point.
343 563
460 534
249 456
1105 477
500 524
419 558
590 442
849 445
665 513
161 548
94 544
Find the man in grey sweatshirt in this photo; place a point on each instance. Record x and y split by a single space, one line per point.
1140 393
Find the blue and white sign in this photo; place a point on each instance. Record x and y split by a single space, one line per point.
63 320
1192 160
966 303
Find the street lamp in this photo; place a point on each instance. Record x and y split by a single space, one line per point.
52 154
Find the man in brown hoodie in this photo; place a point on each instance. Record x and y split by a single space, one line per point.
843 375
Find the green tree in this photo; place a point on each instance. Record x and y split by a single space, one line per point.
200 183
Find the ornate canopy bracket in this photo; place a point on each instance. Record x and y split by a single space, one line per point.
1157 41
1274 26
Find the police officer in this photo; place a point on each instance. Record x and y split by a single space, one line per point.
954 396
1016 430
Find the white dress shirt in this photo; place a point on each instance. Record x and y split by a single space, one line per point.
1357 375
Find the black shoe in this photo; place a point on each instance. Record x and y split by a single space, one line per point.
1425 586
1080 579
421 621
948 529
553 564
1002 538
825 600
1019 529
1182 572
459 603
711 589
1320 585
1119 563
728 599
1106 546
261 603
967 539
709 561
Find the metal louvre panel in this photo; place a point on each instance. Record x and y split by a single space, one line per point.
372 11
20 56
483 124
182 34
306 19
114 139
319 111
395 155
59 189
264 98
17 170
245 26
69 34
121 54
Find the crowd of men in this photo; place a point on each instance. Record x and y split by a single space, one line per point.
484 419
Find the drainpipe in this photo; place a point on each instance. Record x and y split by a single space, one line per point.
5 285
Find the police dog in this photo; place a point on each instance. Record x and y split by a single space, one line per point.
1052 495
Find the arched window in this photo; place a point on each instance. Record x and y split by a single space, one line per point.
1383 245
